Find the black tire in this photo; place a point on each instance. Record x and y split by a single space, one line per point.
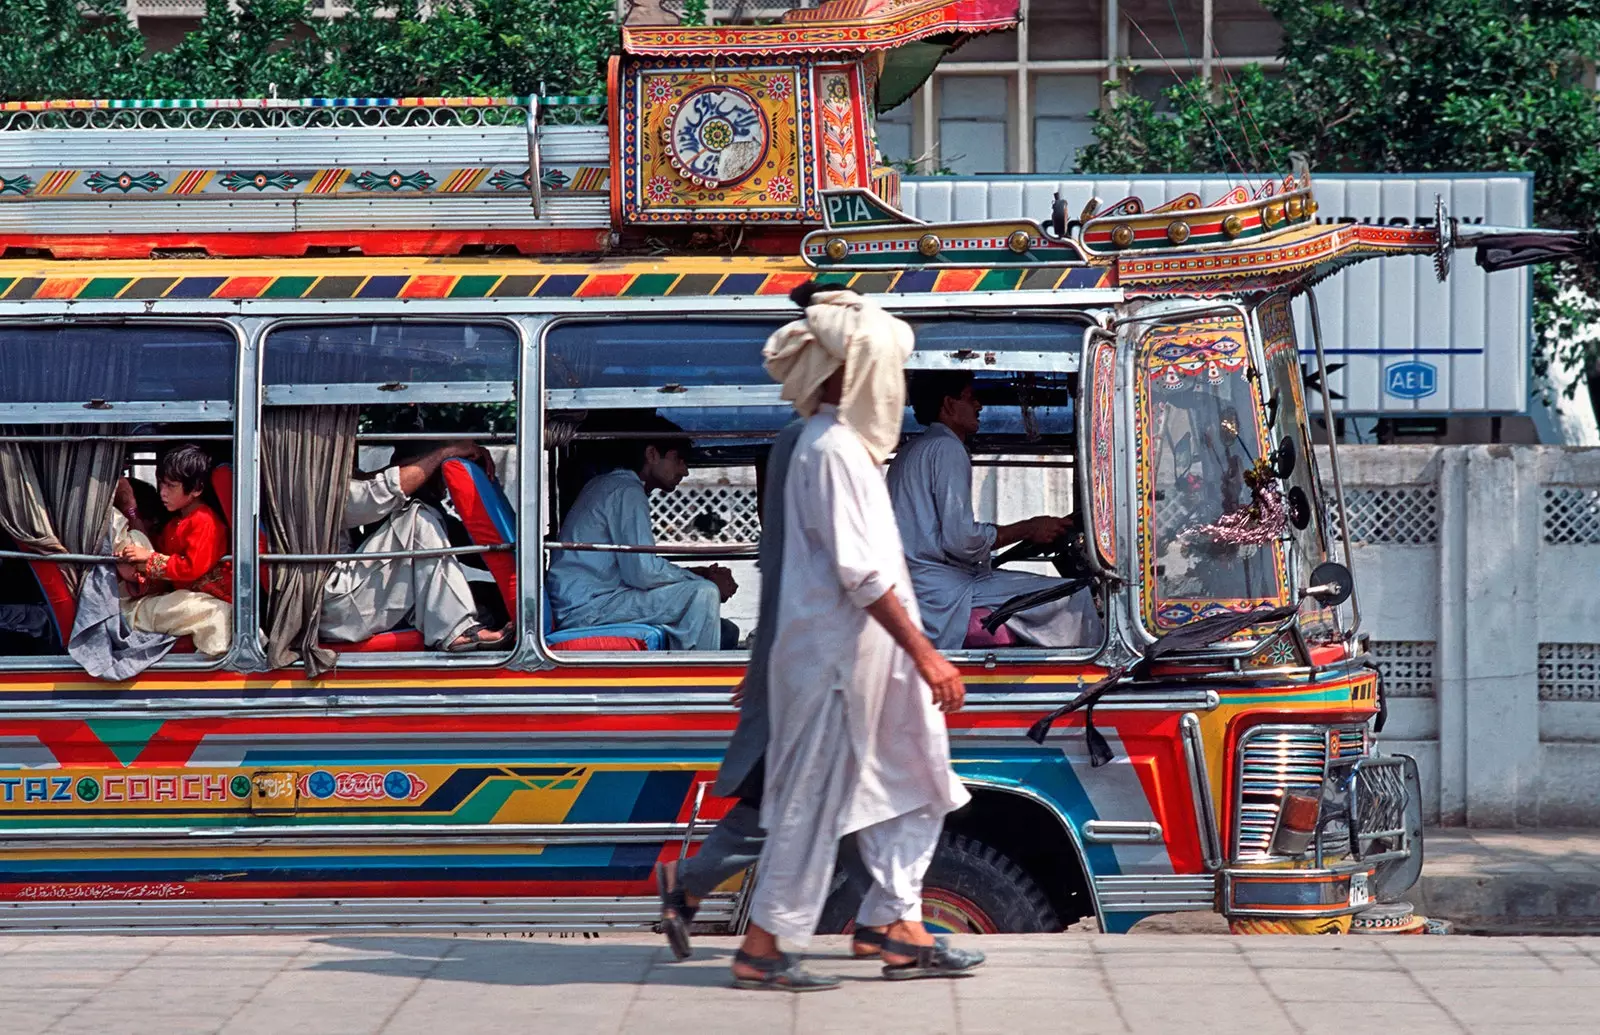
970 888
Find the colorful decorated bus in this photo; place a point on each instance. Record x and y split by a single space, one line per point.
304 289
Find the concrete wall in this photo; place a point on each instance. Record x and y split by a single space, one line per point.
1478 575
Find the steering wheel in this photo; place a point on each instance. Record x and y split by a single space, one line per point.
1066 554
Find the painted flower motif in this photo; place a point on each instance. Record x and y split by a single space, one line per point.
780 188
778 88
658 90
838 90
659 189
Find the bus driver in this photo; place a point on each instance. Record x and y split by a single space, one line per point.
592 587
930 484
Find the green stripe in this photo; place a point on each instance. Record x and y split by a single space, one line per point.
834 277
475 286
287 287
1340 694
104 287
1000 280
5 285
650 284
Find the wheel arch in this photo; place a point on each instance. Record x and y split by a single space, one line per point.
1034 833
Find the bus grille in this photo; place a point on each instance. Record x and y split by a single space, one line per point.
1279 760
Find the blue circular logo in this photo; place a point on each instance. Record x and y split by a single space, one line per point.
320 784
397 784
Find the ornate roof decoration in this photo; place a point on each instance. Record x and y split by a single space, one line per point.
852 26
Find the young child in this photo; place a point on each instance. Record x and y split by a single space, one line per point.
191 590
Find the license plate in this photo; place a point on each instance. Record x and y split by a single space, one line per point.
1359 894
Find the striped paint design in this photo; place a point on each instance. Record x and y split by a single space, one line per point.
608 284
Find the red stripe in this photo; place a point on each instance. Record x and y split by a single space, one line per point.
782 283
427 287
958 280
604 285
242 287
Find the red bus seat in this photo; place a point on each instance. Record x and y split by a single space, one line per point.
979 638
490 521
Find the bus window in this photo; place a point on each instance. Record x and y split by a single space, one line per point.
383 508
1200 421
90 415
607 384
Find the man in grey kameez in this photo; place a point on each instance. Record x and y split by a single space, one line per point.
948 551
365 598
857 739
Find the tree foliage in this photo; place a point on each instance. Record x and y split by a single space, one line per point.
399 48
1400 86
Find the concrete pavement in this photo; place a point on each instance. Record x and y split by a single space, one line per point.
1512 881
438 984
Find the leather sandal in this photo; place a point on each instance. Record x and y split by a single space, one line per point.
875 939
780 973
676 912
929 961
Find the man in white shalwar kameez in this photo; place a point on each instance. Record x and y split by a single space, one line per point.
948 550
857 740
365 598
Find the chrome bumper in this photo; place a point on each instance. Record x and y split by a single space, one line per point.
1371 809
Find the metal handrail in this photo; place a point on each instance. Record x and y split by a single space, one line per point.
384 555
683 549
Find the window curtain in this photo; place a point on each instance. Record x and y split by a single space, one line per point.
55 497
308 454
78 480
23 515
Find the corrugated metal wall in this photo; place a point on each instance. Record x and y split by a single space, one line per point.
1474 332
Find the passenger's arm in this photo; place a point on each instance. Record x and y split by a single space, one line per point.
416 472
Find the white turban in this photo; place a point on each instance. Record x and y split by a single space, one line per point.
843 329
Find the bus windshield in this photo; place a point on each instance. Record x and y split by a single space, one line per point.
1202 430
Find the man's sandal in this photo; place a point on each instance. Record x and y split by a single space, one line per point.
780 973
929 961
874 940
676 912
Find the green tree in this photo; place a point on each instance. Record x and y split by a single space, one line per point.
1402 86
399 48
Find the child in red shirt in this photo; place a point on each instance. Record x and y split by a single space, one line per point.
191 585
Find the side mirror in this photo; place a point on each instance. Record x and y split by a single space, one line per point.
1284 458
1331 584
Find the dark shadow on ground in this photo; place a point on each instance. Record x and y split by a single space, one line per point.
515 960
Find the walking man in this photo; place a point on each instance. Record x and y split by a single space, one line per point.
735 842
857 741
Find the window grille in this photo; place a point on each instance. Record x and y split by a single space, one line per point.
1571 515
1400 515
727 496
1406 666
1569 671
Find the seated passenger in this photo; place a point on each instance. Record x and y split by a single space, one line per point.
947 551
592 587
184 587
365 598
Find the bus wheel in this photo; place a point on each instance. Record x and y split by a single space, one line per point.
973 889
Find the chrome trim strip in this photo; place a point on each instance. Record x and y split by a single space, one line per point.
1194 754
373 833
157 914
375 394
1121 832
1157 893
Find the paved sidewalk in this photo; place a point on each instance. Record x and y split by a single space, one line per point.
439 985
1503 880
